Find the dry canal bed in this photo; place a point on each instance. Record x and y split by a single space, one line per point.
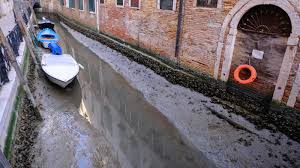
121 114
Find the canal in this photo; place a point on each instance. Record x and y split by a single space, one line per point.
142 135
120 114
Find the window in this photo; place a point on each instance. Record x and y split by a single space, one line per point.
207 3
167 4
71 4
134 3
80 5
92 5
120 2
101 1
62 2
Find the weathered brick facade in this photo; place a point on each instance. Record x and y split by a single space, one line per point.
209 43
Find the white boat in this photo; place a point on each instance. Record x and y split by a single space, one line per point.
60 69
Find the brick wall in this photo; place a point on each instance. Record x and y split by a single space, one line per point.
154 30
147 27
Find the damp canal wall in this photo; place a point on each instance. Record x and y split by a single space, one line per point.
141 134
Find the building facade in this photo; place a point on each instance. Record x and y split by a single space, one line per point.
6 7
208 36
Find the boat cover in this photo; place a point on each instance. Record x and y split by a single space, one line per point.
61 67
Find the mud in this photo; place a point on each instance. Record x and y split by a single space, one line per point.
28 122
63 138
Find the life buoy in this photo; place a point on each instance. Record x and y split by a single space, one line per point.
246 81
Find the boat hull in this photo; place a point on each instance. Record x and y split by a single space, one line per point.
47 36
60 69
60 83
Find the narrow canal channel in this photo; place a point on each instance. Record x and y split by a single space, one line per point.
127 131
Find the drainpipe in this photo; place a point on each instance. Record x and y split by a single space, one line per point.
179 30
97 9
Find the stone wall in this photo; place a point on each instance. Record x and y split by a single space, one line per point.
6 7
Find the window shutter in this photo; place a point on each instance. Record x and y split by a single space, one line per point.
91 5
166 4
81 4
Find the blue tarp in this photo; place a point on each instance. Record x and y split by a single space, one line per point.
55 49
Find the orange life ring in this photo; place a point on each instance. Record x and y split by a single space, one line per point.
246 81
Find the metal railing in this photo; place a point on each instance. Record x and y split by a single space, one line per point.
14 39
4 67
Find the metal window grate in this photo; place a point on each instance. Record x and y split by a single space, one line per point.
4 67
14 39
207 3
166 4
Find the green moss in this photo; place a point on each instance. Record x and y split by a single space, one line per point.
12 123
26 61
16 108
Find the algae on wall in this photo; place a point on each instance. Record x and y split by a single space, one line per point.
14 114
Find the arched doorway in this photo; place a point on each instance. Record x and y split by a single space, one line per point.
227 40
261 41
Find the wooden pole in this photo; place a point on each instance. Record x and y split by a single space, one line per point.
14 63
26 35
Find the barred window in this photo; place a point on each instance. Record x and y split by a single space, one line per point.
135 3
80 4
92 5
207 3
166 4
120 2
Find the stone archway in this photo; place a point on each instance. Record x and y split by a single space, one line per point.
232 21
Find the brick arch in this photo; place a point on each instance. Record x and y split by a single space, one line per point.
235 14
232 20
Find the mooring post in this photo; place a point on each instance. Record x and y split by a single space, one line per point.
26 35
14 63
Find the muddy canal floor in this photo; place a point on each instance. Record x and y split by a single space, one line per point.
64 138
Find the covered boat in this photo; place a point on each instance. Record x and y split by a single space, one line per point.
60 69
47 36
45 23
